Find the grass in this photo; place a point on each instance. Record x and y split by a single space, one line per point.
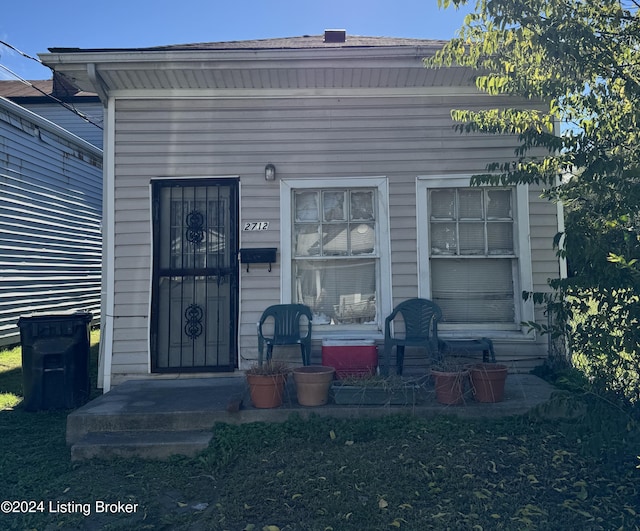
11 381
569 465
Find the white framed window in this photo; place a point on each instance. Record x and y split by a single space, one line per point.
335 251
474 253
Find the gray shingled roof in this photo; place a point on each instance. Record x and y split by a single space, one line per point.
306 41
292 43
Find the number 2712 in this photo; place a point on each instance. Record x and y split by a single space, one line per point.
256 225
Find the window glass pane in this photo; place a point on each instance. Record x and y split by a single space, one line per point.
215 235
443 238
335 239
474 291
306 206
477 290
335 223
443 204
471 238
362 206
333 206
499 204
306 239
337 291
215 213
176 213
363 238
500 238
470 204
176 248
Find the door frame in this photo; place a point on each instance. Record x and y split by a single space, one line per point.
155 186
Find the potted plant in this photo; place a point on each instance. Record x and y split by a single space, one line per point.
266 383
449 378
374 390
487 381
312 384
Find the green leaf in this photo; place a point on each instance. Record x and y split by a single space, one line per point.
570 70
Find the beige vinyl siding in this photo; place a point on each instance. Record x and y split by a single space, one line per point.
543 226
132 279
305 138
259 288
403 235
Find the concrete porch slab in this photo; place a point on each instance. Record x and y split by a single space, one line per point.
158 418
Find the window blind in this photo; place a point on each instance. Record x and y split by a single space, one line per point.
474 291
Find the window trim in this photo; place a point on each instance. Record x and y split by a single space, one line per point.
383 246
523 281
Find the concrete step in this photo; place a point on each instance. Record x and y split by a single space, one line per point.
144 444
79 425
176 405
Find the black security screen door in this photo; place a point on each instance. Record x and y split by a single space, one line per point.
195 275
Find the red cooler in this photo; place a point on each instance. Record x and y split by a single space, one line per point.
350 357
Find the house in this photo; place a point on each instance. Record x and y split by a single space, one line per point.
50 214
79 112
337 152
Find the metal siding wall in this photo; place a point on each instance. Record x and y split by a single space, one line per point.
73 123
397 137
50 211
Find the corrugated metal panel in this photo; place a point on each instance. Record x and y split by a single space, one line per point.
399 137
72 122
50 212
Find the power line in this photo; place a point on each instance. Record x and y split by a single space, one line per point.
21 52
50 96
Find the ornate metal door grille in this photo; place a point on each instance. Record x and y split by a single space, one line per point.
195 280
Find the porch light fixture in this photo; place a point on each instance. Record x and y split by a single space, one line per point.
269 172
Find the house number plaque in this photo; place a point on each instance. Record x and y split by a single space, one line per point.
255 225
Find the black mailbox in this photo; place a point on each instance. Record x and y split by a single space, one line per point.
258 255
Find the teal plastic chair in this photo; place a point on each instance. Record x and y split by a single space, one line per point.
287 321
420 318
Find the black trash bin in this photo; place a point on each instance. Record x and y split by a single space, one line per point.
55 360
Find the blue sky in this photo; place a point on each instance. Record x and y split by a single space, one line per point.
141 23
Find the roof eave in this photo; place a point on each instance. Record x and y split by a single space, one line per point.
65 56
83 68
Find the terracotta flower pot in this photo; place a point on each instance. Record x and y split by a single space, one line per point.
312 384
449 386
266 390
487 381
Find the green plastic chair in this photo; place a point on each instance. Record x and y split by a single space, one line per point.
421 318
287 319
